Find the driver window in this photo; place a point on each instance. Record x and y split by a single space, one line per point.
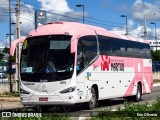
86 51
79 57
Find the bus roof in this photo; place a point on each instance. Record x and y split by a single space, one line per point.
78 29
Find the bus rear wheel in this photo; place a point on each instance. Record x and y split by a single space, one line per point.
93 103
138 95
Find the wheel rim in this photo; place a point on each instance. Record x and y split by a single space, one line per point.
138 93
93 101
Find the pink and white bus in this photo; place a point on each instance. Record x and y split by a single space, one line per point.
64 63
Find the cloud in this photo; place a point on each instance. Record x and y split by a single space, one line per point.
122 31
57 10
27 19
3 10
139 9
55 5
137 32
2 43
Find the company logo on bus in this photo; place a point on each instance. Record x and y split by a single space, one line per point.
114 64
105 63
117 67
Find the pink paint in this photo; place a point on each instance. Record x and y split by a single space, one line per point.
136 64
140 72
14 44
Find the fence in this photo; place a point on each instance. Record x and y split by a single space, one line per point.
156 66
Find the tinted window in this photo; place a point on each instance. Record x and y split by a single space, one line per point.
47 57
89 44
124 48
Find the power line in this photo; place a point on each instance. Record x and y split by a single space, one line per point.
98 23
74 18
79 17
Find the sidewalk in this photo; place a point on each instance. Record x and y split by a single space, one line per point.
9 102
9 99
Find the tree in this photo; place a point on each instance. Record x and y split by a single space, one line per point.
155 55
5 50
1 56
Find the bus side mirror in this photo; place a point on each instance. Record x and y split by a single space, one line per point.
73 45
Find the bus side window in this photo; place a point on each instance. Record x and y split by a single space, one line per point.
79 57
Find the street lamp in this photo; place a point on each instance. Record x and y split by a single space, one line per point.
83 10
155 33
126 23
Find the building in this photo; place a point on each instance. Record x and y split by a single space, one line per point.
153 44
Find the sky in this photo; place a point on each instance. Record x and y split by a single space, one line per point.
103 13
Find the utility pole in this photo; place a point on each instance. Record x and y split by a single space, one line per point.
17 47
10 83
145 28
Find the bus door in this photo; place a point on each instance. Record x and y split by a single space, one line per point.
87 53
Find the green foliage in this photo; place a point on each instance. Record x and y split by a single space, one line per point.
156 105
12 58
155 55
5 50
131 112
136 107
1 56
11 94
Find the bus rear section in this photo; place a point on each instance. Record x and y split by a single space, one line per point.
112 67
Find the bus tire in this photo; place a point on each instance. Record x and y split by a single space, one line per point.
138 95
93 103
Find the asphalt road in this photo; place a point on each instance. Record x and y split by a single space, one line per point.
113 104
80 110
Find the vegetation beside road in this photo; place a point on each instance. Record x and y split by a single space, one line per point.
132 111
10 94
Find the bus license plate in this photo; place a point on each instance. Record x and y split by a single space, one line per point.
43 99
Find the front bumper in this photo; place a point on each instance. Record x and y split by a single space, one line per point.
51 100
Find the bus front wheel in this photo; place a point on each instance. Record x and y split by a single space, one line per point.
93 103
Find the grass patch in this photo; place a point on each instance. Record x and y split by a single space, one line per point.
132 111
10 94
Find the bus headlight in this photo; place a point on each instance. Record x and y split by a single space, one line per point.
23 91
70 89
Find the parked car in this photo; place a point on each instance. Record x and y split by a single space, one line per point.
3 75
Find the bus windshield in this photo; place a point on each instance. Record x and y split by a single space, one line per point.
47 58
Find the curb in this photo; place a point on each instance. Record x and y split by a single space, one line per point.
156 84
10 99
